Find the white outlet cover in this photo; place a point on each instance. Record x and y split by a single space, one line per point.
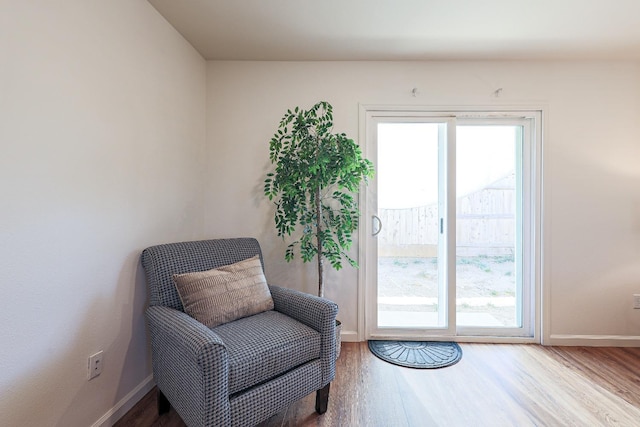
95 365
636 300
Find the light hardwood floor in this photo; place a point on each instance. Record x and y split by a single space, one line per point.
493 385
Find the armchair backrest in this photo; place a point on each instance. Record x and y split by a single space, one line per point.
161 262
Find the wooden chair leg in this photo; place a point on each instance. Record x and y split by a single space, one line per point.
163 403
322 399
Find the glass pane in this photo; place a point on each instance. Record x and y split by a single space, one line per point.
407 174
487 194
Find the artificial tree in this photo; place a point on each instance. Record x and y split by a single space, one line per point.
317 174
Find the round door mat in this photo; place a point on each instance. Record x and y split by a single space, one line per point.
417 354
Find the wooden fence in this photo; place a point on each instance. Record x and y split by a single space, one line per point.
485 224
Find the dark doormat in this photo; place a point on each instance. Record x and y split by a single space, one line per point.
417 354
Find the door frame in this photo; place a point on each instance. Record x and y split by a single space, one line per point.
366 200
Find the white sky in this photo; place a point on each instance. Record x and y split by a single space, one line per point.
407 169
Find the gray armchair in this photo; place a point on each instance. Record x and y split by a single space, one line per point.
242 372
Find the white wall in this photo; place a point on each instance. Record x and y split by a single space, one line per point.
103 113
591 172
102 133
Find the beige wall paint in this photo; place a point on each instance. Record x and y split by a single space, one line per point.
591 174
103 115
102 133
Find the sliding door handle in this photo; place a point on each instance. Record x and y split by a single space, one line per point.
375 217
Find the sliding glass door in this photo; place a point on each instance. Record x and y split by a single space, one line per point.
489 219
450 240
411 243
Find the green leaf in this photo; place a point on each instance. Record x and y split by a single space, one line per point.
308 160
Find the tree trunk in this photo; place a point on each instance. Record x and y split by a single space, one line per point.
319 244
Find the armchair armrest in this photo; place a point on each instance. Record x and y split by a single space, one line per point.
190 366
315 312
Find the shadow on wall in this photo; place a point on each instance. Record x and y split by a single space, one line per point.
58 393
137 358
37 399
128 355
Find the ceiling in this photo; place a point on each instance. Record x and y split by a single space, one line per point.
337 30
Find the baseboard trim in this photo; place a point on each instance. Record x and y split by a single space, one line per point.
594 340
126 403
349 336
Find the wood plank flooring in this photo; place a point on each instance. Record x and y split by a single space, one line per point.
493 385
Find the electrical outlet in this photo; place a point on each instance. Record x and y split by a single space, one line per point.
636 300
95 365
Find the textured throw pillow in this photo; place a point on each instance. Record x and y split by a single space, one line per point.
226 293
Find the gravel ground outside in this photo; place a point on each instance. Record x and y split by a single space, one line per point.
485 284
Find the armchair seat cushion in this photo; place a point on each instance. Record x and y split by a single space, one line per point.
265 345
